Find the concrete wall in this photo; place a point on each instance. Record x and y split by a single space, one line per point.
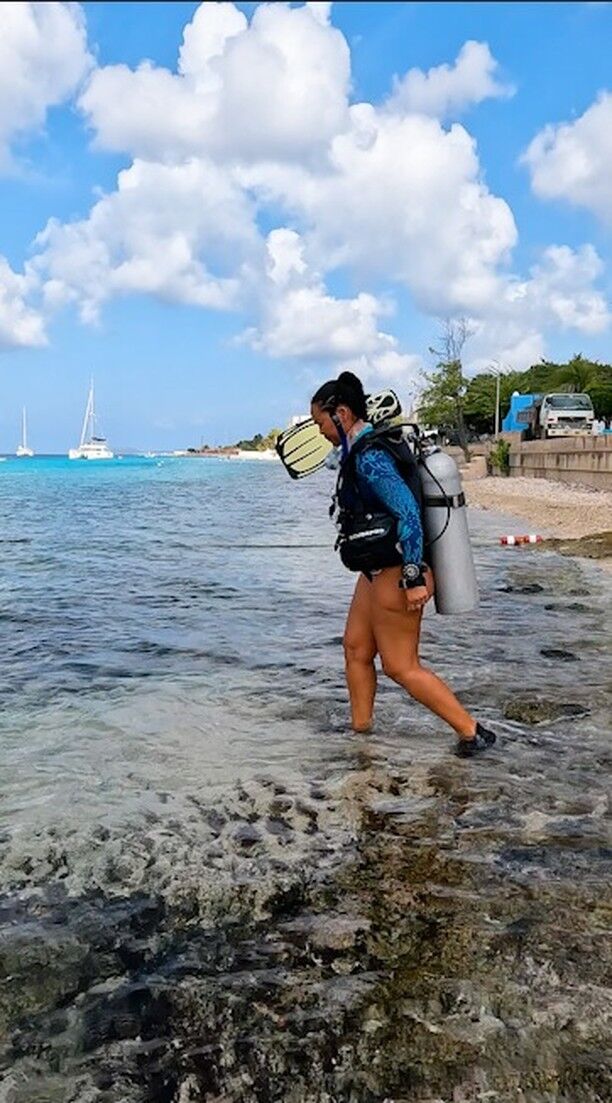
585 461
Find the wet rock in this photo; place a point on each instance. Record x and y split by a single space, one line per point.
188 1092
527 588
216 820
279 827
540 710
265 780
306 809
563 607
559 653
579 831
247 835
280 805
406 809
38 967
332 932
595 546
317 792
344 993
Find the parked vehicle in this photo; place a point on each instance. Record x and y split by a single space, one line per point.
558 415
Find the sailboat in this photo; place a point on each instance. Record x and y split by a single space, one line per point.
91 447
22 449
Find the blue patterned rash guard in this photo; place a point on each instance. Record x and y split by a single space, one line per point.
380 481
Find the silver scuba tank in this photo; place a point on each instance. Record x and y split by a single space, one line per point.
446 533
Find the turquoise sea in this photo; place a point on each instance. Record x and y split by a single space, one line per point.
193 843
153 625
172 622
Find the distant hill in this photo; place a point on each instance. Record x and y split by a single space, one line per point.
259 443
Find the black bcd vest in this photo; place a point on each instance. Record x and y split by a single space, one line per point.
367 533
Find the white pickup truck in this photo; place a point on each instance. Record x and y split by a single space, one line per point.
559 415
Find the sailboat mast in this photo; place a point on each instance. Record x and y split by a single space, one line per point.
88 412
24 436
92 414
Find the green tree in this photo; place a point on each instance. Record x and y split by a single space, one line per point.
441 403
448 396
576 375
259 443
479 404
601 392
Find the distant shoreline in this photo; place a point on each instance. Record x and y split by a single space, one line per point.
178 453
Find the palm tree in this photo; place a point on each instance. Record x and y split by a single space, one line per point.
577 376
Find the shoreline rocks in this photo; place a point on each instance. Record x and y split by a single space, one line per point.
424 962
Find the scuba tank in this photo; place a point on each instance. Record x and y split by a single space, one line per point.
447 540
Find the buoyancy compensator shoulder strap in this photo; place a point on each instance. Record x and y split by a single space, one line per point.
392 440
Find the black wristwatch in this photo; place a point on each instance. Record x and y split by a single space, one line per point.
412 576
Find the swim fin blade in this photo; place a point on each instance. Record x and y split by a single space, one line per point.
303 449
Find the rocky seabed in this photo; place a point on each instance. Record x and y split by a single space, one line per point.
438 934
401 927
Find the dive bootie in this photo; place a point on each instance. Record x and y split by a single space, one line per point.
467 748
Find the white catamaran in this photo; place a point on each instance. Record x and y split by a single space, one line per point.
92 447
22 449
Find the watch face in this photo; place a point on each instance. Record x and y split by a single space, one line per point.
411 571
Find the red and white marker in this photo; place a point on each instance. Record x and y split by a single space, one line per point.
511 541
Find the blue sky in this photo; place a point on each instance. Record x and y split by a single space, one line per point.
228 228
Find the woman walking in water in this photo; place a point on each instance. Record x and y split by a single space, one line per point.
387 607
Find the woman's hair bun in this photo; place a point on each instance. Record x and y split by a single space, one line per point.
351 380
346 390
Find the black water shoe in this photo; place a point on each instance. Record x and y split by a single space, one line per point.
467 748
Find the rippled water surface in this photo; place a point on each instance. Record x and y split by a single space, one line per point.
147 639
173 738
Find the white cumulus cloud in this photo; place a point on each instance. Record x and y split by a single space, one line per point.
179 232
449 89
573 161
403 199
274 88
558 295
20 324
254 182
562 287
300 319
43 56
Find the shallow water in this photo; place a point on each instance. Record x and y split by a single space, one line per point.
176 759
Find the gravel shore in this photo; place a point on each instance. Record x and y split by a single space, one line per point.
551 508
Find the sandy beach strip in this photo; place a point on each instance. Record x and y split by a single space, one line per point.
558 510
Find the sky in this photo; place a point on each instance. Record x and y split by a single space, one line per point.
213 208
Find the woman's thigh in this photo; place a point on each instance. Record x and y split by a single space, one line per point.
396 629
359 640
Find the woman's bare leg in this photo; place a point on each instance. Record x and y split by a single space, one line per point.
396 632
359 655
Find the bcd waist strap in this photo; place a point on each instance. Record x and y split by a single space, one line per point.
452 500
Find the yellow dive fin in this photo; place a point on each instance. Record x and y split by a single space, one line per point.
304 450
